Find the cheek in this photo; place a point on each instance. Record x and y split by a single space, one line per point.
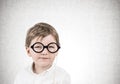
34 54
53 56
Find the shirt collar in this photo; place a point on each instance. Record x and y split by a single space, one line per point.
48 70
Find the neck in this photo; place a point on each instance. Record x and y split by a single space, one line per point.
39 69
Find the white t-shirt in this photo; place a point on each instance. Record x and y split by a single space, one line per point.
54 75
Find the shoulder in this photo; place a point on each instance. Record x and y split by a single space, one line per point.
62 75
22 75
24 71
61 71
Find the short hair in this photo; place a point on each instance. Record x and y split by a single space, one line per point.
41 30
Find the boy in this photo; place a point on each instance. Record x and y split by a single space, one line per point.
42 44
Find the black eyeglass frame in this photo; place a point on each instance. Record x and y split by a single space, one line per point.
58 47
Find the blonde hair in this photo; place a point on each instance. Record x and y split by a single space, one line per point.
41 30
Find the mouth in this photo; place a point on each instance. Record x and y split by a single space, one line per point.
44 58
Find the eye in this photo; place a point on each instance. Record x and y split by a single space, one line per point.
51 47
38 47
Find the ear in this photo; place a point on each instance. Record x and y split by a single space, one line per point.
28 51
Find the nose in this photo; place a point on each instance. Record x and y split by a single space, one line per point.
44 52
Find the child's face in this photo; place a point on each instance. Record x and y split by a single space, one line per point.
44 58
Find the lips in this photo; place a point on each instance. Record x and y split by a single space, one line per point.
43 58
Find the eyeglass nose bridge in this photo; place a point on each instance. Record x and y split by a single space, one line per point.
44 48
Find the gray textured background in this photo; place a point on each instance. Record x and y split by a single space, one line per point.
89 32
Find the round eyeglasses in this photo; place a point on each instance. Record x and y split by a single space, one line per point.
38 47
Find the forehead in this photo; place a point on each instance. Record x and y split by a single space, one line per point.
45 40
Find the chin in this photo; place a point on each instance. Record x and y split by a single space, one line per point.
44 64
